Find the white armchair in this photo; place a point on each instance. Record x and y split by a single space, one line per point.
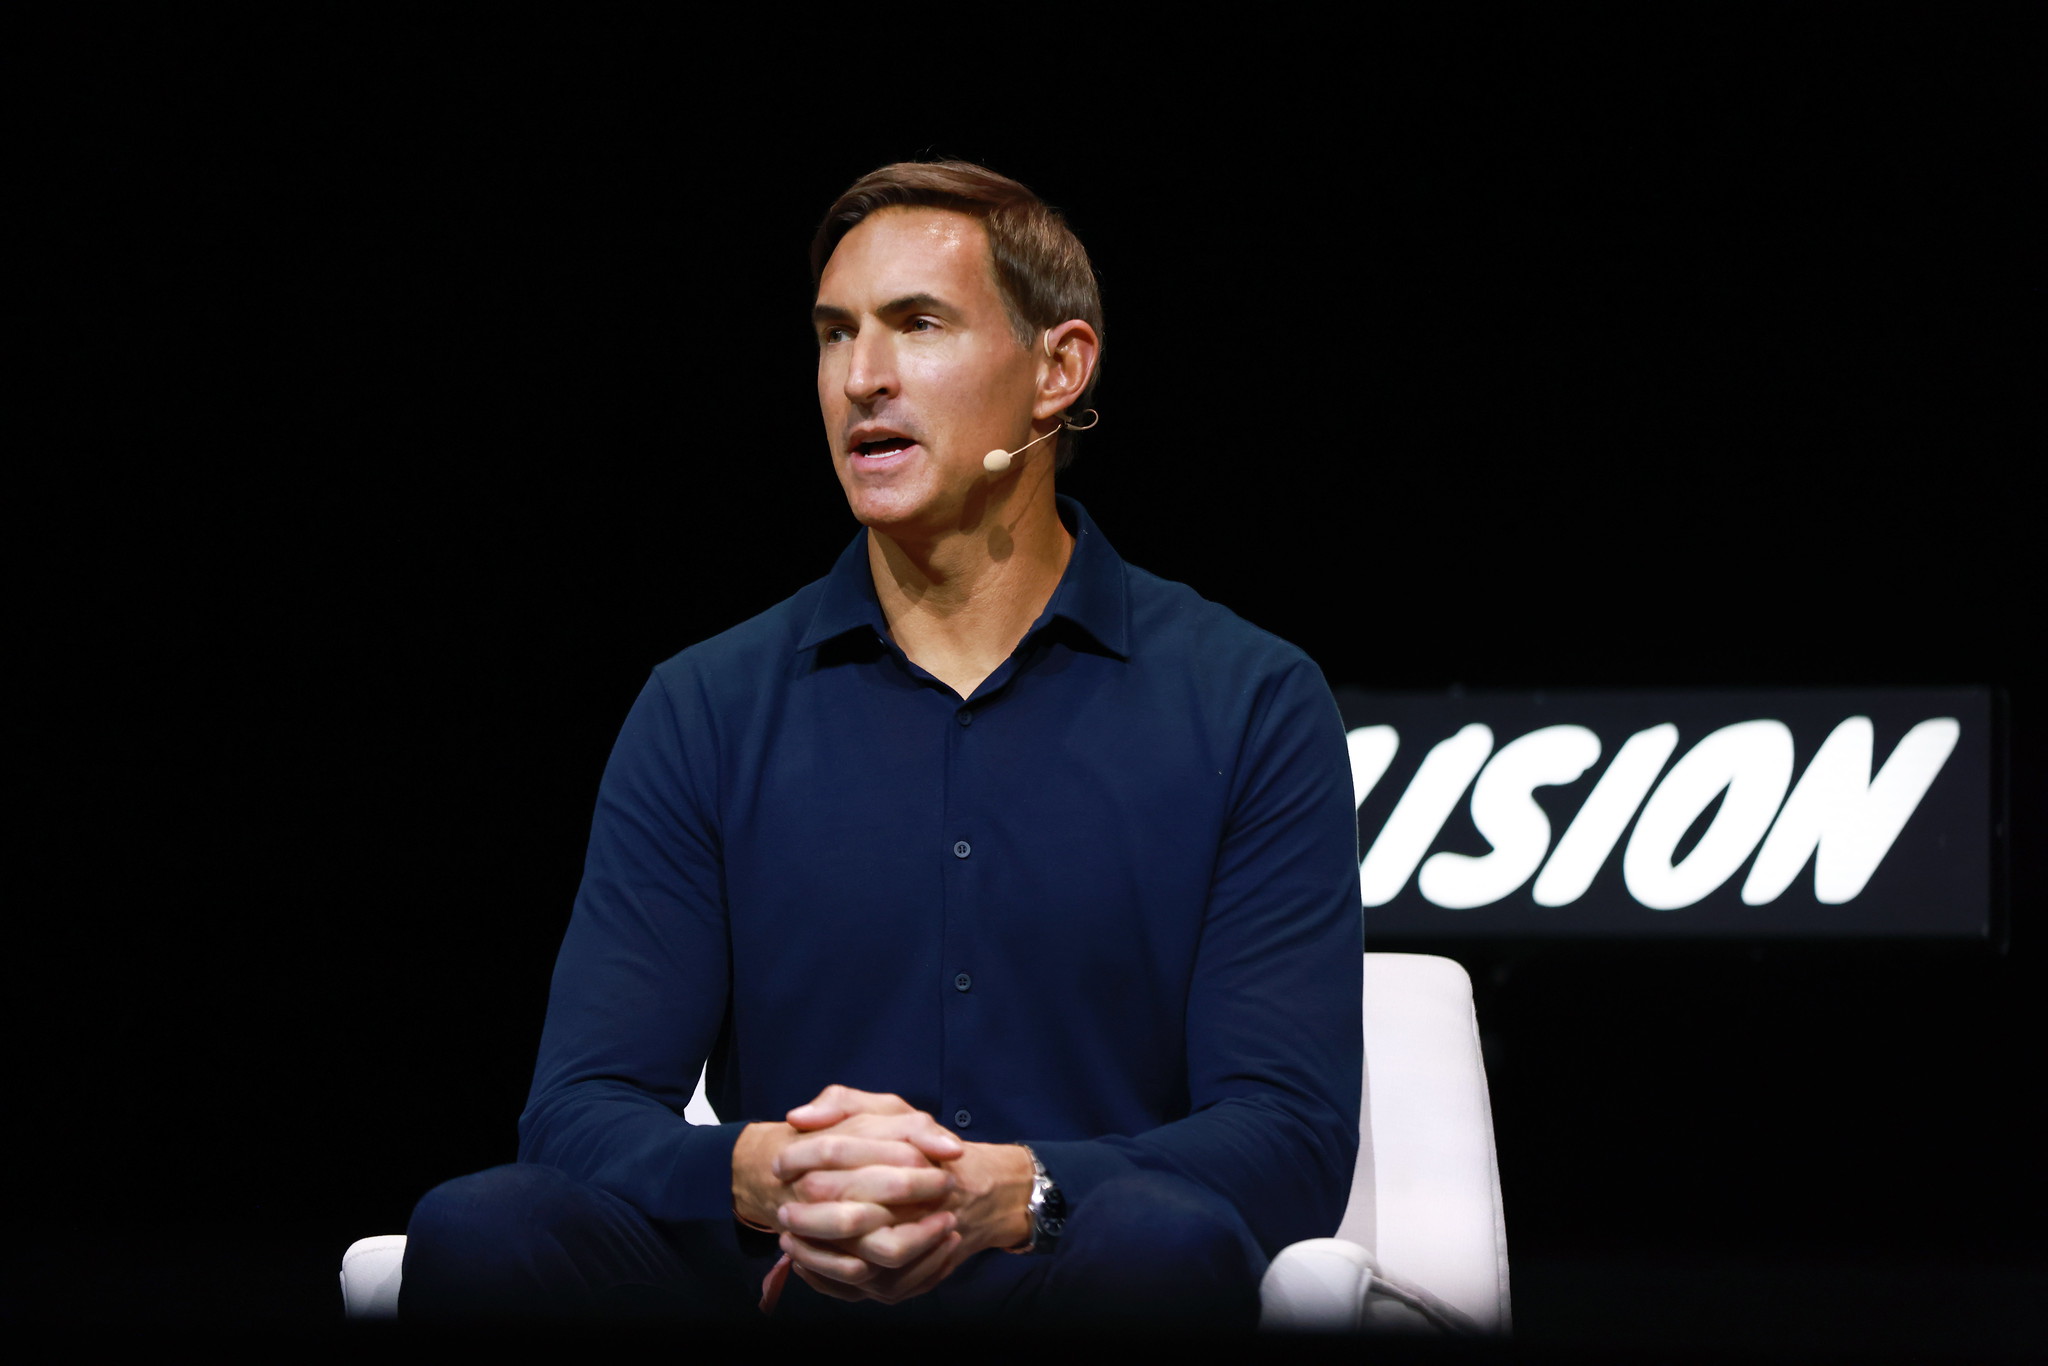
1425 1197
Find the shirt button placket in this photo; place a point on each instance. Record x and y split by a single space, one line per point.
958 937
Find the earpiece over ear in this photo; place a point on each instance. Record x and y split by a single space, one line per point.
996 461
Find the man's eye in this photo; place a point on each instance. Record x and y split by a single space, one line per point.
922 324
834 334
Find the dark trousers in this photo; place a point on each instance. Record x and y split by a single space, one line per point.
524 1242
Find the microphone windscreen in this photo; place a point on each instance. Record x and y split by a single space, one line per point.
995 462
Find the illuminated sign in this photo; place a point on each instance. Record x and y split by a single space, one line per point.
1653 812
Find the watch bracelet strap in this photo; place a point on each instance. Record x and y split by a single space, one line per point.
1045 1211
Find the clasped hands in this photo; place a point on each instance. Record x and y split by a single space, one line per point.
874 1199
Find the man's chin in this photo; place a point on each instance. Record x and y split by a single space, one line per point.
897 516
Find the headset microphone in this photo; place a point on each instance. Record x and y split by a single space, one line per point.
998 460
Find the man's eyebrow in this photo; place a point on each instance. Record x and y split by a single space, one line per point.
908 303
914 303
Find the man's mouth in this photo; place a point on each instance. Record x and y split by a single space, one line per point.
886 446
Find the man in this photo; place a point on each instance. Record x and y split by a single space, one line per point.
1009 892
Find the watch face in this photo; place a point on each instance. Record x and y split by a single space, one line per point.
1048 1213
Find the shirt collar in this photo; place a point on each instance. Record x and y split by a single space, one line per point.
1092 593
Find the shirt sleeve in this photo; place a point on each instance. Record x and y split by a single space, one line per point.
641 984
1275 1054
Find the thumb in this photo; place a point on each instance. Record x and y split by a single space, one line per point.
936 1143
835 1103
815 1114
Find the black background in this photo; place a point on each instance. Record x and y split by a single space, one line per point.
406 395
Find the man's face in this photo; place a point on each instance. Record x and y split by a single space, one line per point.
919 372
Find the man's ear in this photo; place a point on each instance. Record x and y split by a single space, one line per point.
1067 355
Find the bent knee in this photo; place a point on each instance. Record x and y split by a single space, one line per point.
1175 1218
493 1209
1147 1247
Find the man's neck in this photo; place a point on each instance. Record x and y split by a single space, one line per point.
959 602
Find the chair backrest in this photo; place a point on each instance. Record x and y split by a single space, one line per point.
1425 1198
699 1110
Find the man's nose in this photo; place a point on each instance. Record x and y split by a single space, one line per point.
871 370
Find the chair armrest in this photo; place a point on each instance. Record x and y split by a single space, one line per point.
1318 1285
369 1276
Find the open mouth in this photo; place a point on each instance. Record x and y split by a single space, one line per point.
886 446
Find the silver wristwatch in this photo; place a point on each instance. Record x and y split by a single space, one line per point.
1047 1209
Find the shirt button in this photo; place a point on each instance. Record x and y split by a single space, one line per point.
966 717
962 982
962 849
961 1119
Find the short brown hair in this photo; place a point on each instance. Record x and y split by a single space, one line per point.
1040 267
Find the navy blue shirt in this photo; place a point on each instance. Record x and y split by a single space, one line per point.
1108 905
